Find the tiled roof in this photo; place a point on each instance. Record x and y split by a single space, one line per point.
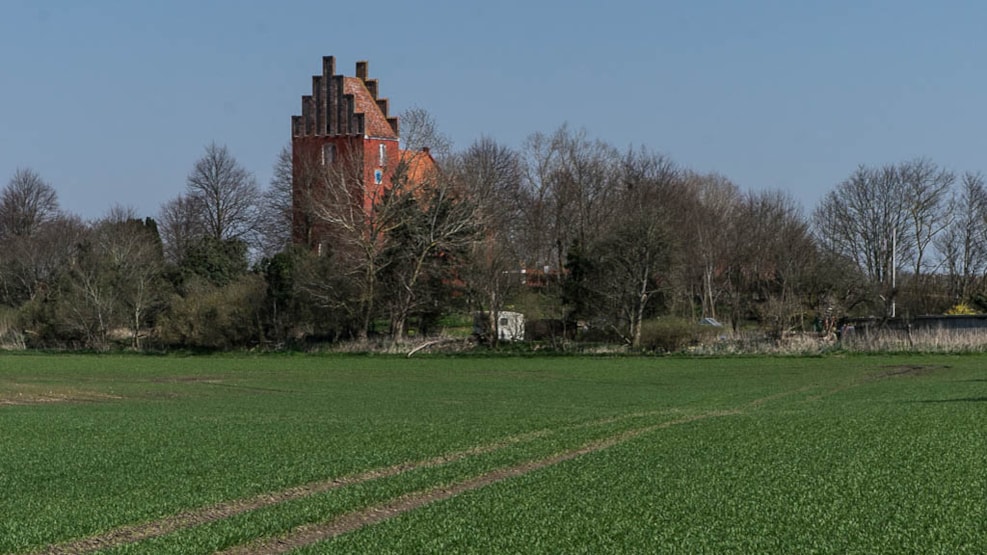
374 119
420 164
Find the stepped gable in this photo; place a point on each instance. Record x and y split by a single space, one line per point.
340 106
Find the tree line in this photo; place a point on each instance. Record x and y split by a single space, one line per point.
589 239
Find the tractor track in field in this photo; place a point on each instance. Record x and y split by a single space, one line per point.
188 519
309 534
312 533
884 373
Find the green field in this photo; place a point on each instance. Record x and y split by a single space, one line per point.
363 454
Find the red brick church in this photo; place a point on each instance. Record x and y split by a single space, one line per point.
345 121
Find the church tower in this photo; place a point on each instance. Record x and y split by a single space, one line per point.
343 121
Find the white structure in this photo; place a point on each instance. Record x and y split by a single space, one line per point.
510 325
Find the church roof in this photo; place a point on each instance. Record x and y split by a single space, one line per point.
375 122
344 106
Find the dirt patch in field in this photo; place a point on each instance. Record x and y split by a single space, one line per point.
219 382
885 373
906 370
188 379
30 394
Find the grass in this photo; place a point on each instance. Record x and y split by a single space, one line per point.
880 480
838 454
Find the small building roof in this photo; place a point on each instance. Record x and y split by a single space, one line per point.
420 164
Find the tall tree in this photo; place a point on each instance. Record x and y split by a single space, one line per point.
616 276
709 228
436 226
963 244
275 212
492 173
354 232
420 130
180 227
26 203
568 186
773 254
926 190
635 251
226 195
133 253
865 219
885 219
568 182
36 239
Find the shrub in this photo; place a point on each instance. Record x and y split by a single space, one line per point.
10 336
961 309
673 335
210 317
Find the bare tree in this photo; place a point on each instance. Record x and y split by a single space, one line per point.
114 281
26 203
180 226
626 259
437 224
132 253
31 265
710 229
491 172
226 195
566 178
89 300
865 219
636 250
568 186
420 130
772 256
885 219
36 239
963 244
274 221
926 190
353 227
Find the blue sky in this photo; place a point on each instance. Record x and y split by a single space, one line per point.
113 101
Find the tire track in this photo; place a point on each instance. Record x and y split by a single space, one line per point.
130 534
188 519
309 534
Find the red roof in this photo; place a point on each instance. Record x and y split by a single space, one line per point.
374 119
420 164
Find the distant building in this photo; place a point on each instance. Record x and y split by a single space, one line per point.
345 125
509 325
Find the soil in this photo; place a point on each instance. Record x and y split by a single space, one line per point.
905 370
29 397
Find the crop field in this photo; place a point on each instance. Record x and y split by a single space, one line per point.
370 454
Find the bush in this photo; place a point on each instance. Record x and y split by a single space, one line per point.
673 335
961 309
11 337
210 317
